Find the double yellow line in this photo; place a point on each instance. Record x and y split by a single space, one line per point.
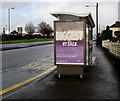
26 81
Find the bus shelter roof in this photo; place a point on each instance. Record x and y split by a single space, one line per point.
74 16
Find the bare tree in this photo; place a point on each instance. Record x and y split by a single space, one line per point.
44 28
30 28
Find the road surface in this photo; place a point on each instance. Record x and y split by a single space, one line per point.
19 65
12 58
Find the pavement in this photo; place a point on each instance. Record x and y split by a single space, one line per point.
98 82
23 45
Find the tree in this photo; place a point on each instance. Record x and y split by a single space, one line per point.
107 34
30 28
45 29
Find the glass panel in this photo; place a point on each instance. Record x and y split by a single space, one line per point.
87 46
69 42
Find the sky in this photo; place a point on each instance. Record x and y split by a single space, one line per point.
37 11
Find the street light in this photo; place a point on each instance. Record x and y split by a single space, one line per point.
9 19
96 23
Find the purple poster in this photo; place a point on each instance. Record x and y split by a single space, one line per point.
69 43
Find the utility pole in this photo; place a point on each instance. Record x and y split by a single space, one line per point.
9 20
97 24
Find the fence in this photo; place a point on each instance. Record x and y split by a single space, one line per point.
112 47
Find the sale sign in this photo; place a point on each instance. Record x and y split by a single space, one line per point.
69 42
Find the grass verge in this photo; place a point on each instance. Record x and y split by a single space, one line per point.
26 40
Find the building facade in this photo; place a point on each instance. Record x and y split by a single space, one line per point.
115 27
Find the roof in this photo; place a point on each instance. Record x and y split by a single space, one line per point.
69 13
36 33
75 16
117 24
117 32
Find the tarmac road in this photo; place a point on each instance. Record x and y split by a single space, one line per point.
22 64
12 58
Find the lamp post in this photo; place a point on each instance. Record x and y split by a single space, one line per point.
9 20
96 23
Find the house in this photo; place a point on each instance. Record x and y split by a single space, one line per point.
37 34
115 27
14 32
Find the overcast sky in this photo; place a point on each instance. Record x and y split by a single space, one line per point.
37 11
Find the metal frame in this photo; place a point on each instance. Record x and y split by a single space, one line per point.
55 37
84 30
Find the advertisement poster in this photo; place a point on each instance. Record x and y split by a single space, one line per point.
69 42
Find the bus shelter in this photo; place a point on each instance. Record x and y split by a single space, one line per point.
72 42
